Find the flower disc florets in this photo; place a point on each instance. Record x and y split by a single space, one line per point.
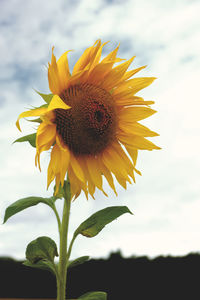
90 125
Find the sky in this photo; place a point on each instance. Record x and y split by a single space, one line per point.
165 35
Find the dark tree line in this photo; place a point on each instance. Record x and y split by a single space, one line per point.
122 278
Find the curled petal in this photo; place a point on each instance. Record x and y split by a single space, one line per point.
31 113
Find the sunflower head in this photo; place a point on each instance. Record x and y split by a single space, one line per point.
90 122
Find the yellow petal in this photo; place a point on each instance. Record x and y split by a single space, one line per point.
115 75
126 161
134 100
50 177
45 134
94 171
56 159
42 127
121 180
53 76
133 114
57 102
91 185
114 163
54 165
82 62
39 151
111 56
31 113
132 86
107 175
129 74
136 129
85 58
80 76
133 154
94 52
57 183
76 185
97 57
99 72
63 70
65 158
91 188
136 142
48 117
76 168
61 144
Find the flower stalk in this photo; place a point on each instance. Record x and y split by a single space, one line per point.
63 257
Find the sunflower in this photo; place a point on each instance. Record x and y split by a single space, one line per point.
91 122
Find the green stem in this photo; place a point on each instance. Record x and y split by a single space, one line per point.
70 247
62 266
57 217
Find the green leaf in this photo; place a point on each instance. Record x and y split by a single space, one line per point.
41 248
42 264
77 261
31 138
24 203
94 224
46 97
94 296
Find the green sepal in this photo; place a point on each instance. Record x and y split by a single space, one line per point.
94 224
31 138
42 264
60 194
77 261
46 97
38 120
41 106
43 248
63 191
94 296
111 91
24 203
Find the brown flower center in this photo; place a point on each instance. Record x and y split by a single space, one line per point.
89 126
